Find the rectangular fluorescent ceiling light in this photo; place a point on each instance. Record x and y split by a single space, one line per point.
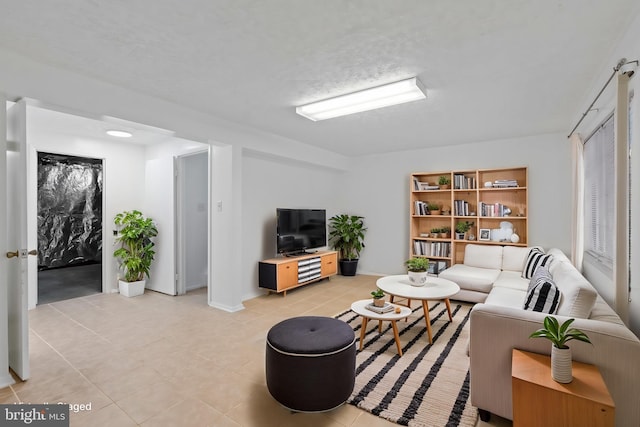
364 100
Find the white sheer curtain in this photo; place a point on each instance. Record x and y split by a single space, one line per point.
577 204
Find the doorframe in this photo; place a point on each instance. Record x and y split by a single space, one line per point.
32 220
180 261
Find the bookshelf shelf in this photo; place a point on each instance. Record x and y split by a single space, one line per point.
481 196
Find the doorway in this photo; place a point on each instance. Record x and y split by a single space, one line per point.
69 230
192 213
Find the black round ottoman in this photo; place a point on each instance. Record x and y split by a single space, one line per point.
310 363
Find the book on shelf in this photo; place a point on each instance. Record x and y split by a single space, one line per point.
380 310
461 208
437 267
430 248
492 209
462 182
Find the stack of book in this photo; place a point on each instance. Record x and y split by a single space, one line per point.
461 208
461 182
505 183
380 310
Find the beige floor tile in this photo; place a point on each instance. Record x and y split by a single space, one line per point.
109 416
150 401
189 413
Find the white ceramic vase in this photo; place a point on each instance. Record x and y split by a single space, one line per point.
561 364
417 278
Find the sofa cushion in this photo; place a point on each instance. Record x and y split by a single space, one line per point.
536 258
543 296
506 297
511 279
558 257
578 296
472 278
483 256
513 258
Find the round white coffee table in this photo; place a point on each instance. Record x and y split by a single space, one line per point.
360 307
435 289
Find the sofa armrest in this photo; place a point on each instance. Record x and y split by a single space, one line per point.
496 330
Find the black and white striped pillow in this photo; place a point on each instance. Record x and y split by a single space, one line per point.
543 297
536 258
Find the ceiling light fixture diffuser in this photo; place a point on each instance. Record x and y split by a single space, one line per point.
369 99
119 133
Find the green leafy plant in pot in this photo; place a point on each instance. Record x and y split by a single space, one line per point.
136 251
417 270
462 228
378 297
559 335
346 235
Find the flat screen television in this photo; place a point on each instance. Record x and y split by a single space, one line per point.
300 229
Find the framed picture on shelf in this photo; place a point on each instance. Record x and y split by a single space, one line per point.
485 234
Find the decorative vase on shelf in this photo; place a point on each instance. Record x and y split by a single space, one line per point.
561 364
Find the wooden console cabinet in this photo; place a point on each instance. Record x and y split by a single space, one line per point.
538 400
285 273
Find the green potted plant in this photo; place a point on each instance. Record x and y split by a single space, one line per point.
559 335
461 229
445 232
346 235
444 182
435 232
135 254
433 208
378 297
417 270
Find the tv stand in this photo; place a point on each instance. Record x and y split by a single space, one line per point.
286 273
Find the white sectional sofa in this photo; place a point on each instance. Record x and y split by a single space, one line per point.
492 277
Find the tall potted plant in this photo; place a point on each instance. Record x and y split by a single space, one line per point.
136 252
347 237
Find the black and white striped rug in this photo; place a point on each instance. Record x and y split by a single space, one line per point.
429 384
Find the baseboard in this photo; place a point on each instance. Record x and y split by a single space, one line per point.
230 309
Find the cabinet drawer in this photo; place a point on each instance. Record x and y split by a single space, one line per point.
329 265
287 275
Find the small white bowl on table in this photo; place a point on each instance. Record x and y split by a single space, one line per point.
360 308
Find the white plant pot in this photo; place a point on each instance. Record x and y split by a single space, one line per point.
417 279
561 364
131 289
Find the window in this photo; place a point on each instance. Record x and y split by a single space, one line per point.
599 200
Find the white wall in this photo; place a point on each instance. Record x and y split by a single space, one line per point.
379 190
123 169
270 183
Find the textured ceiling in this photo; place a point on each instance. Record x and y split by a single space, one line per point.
492 68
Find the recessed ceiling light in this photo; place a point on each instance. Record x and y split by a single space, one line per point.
377 97
119 133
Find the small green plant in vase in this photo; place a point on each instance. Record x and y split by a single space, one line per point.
433 208
462 228
444 182
417 268
378 297
559 335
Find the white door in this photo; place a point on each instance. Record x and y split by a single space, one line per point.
16 248
160 206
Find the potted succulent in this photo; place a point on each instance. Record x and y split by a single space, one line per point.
378 297
135 254
462 228
347 237
444 182
433 208
417 267
559 335
435 232
445 232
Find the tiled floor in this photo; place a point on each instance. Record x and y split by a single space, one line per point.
157 360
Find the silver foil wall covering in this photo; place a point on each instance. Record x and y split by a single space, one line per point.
69 210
